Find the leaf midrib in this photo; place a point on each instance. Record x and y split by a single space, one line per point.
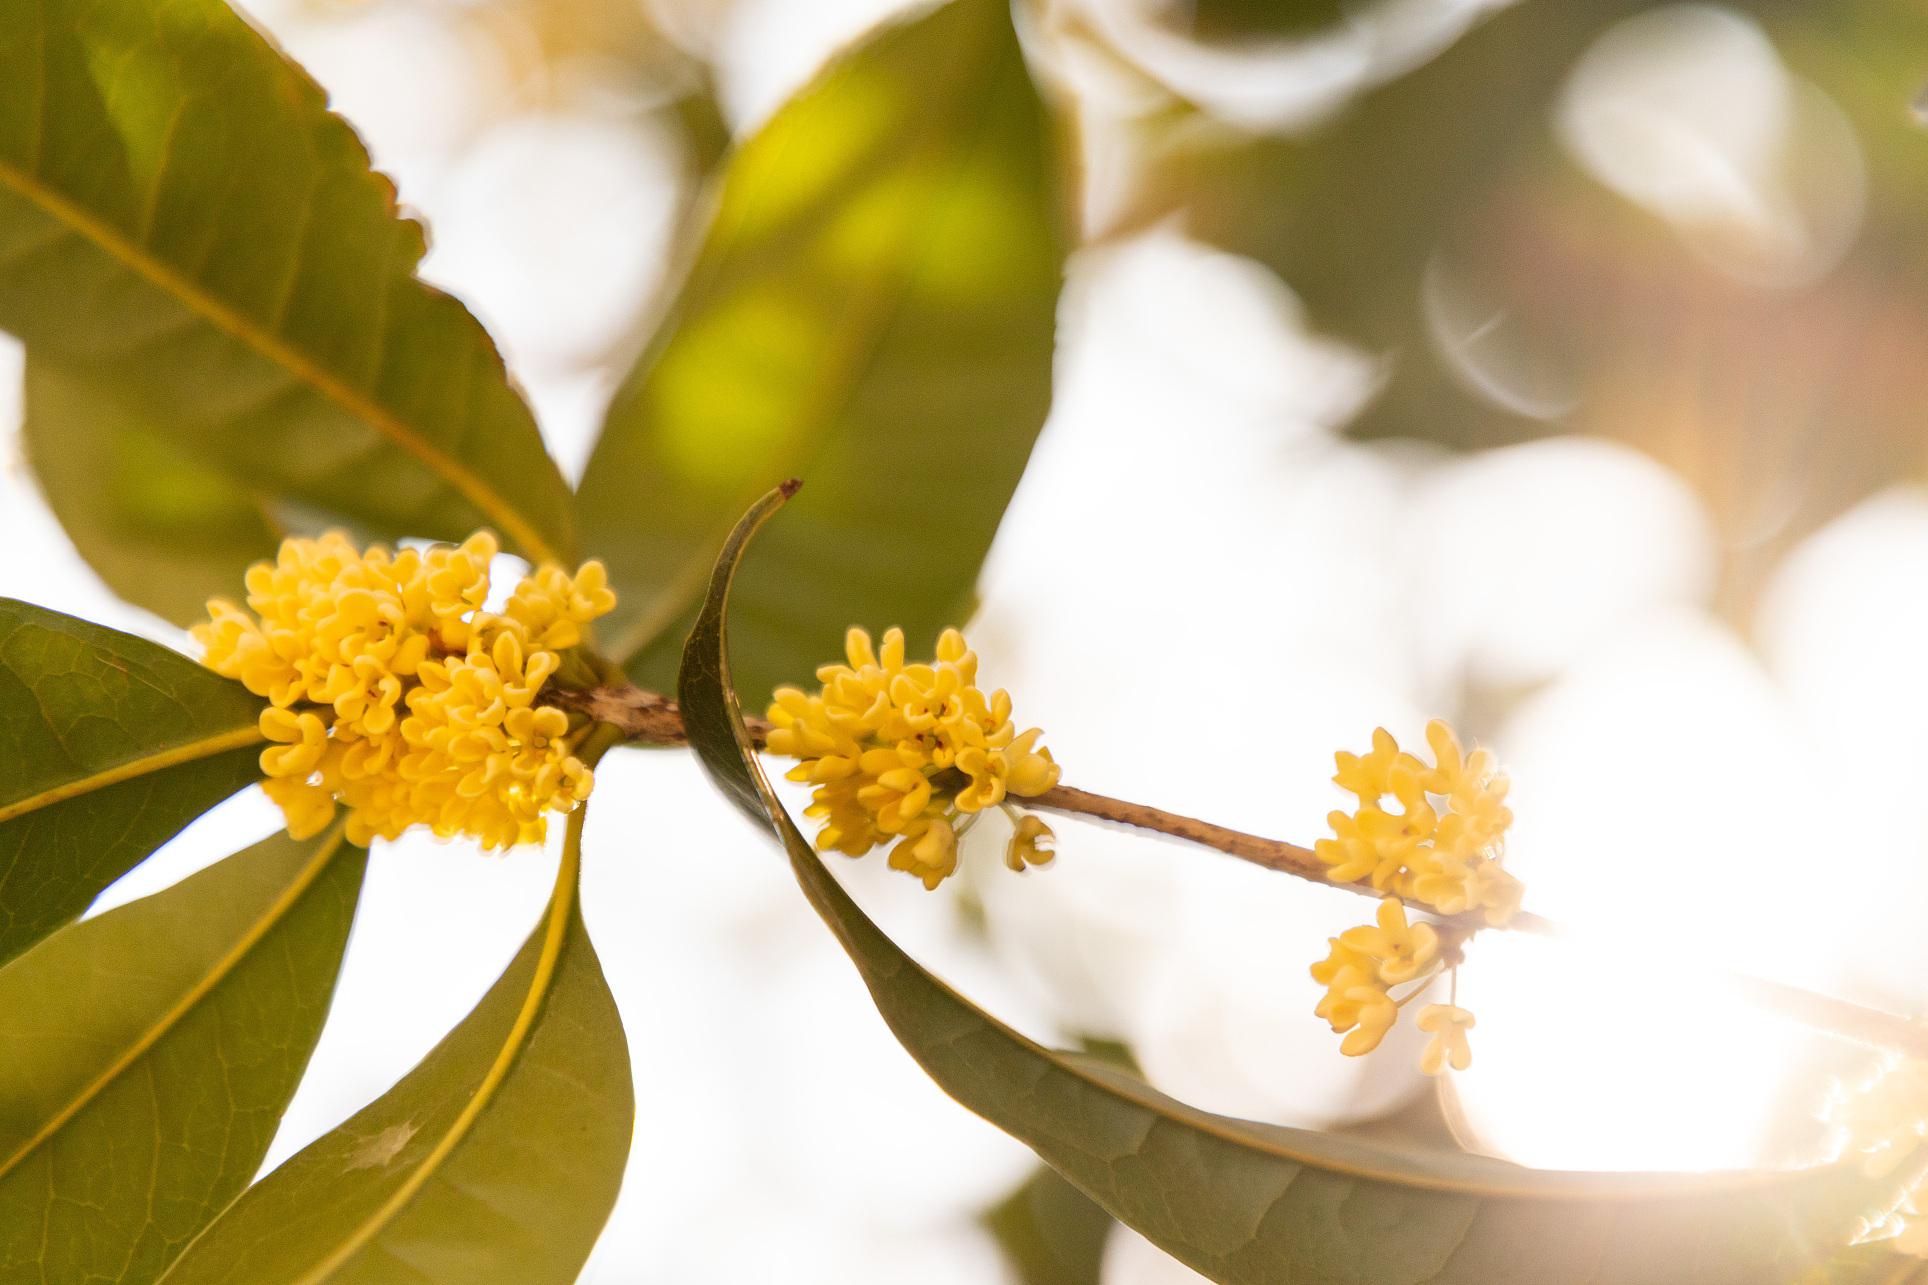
555 935
271 347
186 1004
175 756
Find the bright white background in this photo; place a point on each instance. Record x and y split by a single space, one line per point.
1200 592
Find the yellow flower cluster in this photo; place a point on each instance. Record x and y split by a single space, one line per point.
911 753
1442 845
393 692
1359 972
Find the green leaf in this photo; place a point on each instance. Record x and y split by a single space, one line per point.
496 1159
1246 1202
151 1052
872 310
1050 1232
108 746
185 226
164 528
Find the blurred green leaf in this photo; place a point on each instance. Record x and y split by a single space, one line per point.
1447 190
872 310
1247 1202
184 226
150 1054
108 746
1050 1232
495 1159
164 528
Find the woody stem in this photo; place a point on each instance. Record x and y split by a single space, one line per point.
654 719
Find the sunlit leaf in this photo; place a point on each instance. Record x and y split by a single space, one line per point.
1252 1203
185 227
495 1159
146 1057
162 526
872 310
108 746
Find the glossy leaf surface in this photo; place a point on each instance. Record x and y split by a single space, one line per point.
184 225
495 1159
872 310
146 1057
109 744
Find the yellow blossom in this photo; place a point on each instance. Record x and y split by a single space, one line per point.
1399 952
1030 845
1374 1016
931 855
1355 1002
1360 969
1448 1025
1442 843
910 753
393 693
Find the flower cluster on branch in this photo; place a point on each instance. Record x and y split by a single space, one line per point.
911 754
1443 844
393 692
1440 848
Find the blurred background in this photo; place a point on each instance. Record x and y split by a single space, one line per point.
1556 369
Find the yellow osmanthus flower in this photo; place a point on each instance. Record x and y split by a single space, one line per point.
1447 1024
1355 1003
1443 842
395 694
1359 972
1400 952
910 754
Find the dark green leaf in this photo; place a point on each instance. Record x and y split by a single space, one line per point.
150 1054
164 528
496 1159
186 227
1252 1203
872 310
108 746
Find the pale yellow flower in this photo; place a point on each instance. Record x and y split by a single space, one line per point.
1448 1025
1400 952
1374 1016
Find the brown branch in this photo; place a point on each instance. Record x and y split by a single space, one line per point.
641 716
655 719
1273 854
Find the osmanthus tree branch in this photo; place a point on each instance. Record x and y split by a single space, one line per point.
654 719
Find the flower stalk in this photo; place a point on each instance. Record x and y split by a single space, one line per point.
653 719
